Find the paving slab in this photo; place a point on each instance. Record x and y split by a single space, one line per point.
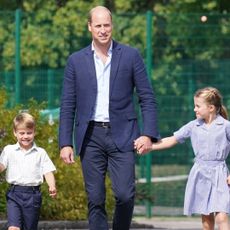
171 223
138 223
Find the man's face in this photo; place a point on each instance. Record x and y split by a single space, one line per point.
101 27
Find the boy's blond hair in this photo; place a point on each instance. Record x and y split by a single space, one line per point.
24 119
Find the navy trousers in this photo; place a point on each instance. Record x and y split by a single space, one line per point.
98 156
23 206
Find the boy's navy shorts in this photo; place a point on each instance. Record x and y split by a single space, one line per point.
23 206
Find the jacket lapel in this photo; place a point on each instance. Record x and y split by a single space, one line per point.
116 53
91 67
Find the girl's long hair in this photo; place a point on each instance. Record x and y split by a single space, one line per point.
212 96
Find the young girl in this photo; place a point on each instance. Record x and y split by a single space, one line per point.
207 191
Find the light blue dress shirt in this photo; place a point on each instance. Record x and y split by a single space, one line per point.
101 109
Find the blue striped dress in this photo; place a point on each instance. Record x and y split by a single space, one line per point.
207 190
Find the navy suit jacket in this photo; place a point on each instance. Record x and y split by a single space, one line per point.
79 93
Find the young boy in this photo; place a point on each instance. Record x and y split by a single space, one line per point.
25 165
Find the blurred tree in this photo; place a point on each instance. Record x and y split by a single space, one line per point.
110 4
51 30
49 33
224 6
9 5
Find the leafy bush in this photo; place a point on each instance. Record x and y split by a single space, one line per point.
70 203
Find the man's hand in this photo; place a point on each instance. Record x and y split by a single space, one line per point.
67 155
143 145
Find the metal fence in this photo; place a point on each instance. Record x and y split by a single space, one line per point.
183 52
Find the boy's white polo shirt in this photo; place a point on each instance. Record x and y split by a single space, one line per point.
26 168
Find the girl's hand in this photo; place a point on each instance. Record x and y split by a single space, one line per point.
228 180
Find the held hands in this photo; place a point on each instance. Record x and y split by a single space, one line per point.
143 145
67 155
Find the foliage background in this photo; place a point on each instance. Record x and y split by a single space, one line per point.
51 30
187 54
70 203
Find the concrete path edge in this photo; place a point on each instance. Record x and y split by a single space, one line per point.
72 225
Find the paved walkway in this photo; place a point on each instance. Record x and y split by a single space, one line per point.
140 223
175 223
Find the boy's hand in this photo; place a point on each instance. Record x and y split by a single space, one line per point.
52 192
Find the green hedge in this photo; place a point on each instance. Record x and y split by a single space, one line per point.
70 203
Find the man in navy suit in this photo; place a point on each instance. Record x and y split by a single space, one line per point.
97 106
